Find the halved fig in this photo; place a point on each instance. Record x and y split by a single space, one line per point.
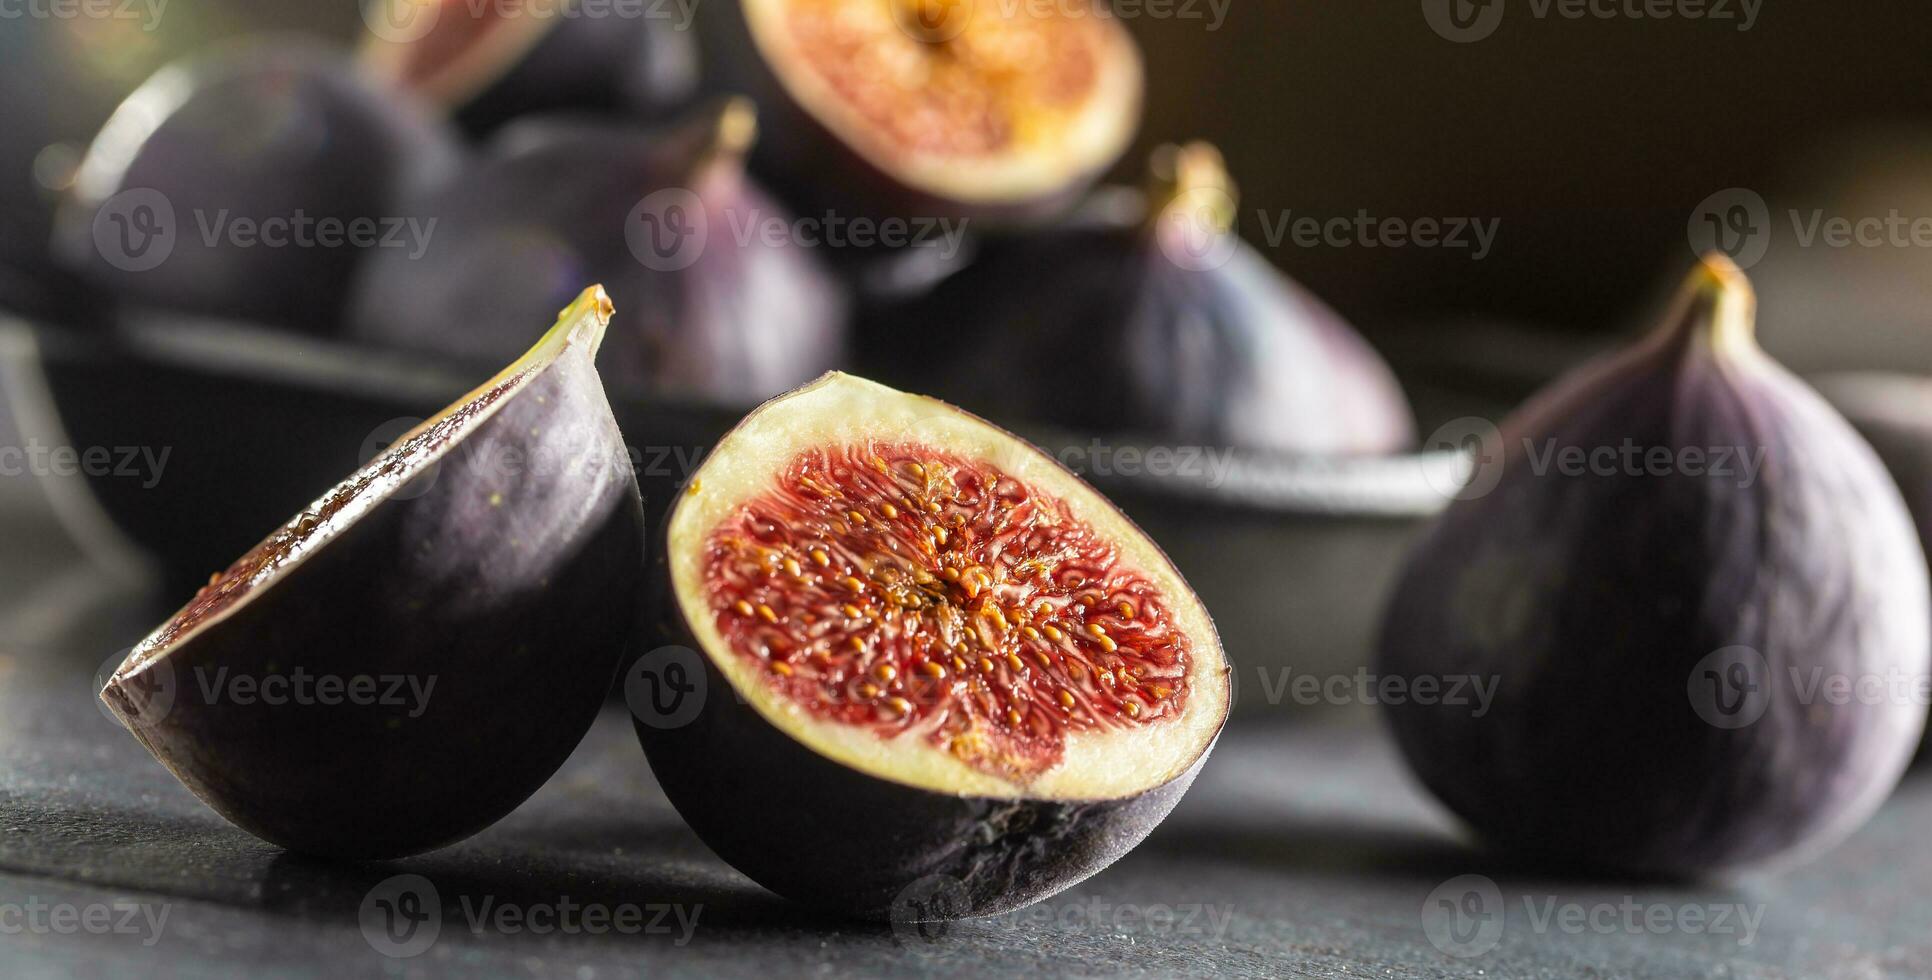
930 648
454 611
926 108
489 64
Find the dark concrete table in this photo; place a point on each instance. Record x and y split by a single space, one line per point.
1303 851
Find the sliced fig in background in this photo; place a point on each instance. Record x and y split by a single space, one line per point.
1665 625
248 145
705 307
1157 321
997 112
931 653
488 64
480 580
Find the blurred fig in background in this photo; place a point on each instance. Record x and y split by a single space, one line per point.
929 108
1155 320
716 298
488 64
248 182
1667 571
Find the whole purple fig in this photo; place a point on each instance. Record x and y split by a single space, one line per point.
711 301
1684 608
1162 323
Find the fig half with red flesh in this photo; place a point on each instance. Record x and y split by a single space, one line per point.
934 649
928 108
410 657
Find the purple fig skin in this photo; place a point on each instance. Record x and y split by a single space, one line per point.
1894 413
727 316
1093 326
258 131
1593 602
503 583
855 844
641 66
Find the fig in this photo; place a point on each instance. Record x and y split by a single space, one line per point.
247 182
491 64
410 657
1163 323
1698 599
994 112
657 217
948 662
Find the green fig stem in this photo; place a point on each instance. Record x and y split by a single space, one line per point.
733 132
1717 306
1192 176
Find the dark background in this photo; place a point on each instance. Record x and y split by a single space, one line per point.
1592 140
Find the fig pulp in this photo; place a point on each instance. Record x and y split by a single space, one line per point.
930 109
706 310
1166 325
413 655
930 653
488 65
1698 599
248 182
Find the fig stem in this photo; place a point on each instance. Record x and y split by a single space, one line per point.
735 130
1719 304
1191 182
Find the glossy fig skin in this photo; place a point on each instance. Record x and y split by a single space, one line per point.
502 583
729 771
259 131
1108 324
1595 602
639 66
720 313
